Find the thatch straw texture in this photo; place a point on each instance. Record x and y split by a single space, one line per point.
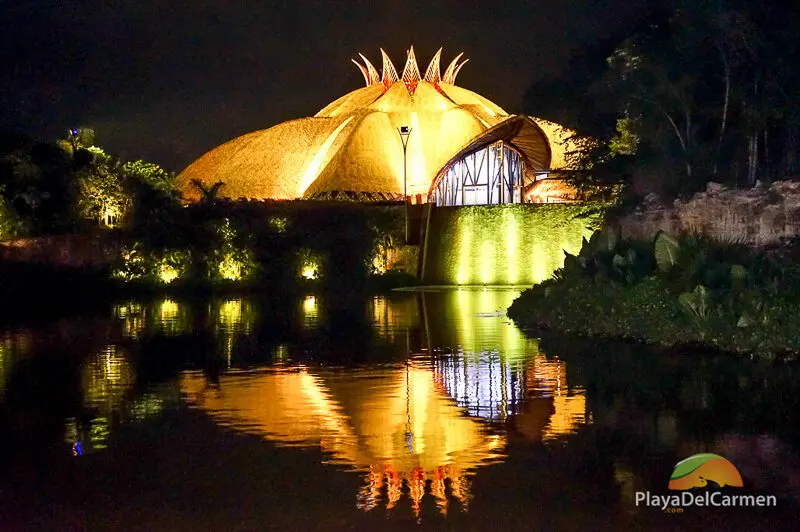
350 145
562 142
263 164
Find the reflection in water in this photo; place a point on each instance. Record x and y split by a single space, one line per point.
449 418
463 377
13 346
132 315
171 318
392 317
310 312
417 427
234 318
393 422
165 316
385 486
497 372
281 354
486 385
464 414
569 404
106 377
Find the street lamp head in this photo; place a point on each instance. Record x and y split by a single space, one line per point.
405 133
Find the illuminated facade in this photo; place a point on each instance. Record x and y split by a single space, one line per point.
512 244
351 150
491 175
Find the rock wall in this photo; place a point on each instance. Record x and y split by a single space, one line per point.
72 251
764 216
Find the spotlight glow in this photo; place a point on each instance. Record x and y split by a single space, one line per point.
504 244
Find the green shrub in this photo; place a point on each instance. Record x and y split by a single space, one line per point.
670 291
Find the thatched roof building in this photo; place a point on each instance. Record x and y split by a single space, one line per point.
351 148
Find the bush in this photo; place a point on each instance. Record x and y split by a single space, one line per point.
303 244
670 291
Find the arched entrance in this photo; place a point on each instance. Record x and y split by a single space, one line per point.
494 167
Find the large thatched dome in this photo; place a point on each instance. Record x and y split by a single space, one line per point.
352 147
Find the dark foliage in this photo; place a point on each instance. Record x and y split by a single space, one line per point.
670 291
705 92
277 236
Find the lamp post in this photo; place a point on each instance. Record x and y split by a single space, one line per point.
405 132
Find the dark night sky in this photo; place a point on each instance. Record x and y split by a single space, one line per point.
166 81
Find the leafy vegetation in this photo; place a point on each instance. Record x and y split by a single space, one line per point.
702 92
689 290
72 185
273 243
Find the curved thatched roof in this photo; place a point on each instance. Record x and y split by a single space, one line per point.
352 144
246 164
562 142
371 157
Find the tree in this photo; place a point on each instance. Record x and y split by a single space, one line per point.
149 174
706 95
208 195
10 223
102 192
154 199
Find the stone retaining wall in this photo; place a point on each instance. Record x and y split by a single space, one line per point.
764 216
73 251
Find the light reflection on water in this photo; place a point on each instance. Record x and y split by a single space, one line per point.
430 420
310 308
393 423
446 388
425 421
13 346
235 317
107 377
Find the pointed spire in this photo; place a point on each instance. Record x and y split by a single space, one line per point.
433 73
374 77
458 69
363 70
411 76
450 73
389 74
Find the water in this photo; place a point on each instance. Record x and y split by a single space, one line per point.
415 409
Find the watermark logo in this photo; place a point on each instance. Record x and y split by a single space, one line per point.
700 478
702 470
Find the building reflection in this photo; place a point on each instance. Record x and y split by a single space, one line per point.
392 317
385 486
417 428
468 382
495 372
394 424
